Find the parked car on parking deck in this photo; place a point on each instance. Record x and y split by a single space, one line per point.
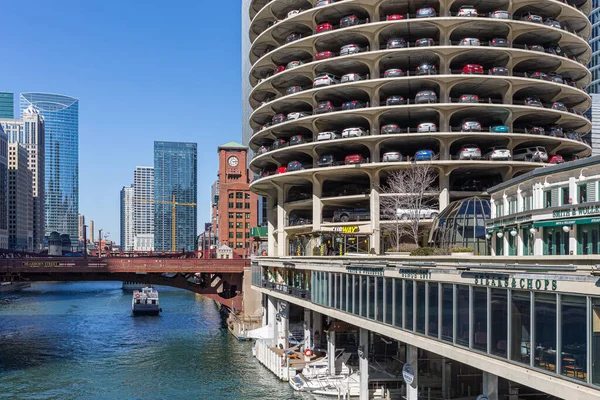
557 105
393 73
294 166
554 77
296 115
539 75
281 170
262 150
395 101
472 69
326 160
469 152
497 153
349 20
536 47
467 11
500 14
470 125
499 42
328 135
556 159
324 107
396 43
536 130
297 139
320 3
426 127
324 55
426 12
278 118
325 80
394 17
354 159
278 144
324 27
293 37
293 89
354 132
555 131
347 78
424 155
350 49
533 101
424 213
293 64
353 105
390 129
351 214
392 156
499 71
552 22
424 42
535 154
500 129
426 96
530 17
469 42
426 69
468 98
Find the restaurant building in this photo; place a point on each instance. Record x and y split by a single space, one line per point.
553 211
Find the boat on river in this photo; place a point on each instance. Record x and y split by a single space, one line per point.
145 302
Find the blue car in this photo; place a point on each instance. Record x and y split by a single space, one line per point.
426 12
424 155
500 129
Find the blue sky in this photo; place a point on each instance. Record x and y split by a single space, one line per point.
143 71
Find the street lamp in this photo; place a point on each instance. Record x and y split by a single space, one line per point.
500 235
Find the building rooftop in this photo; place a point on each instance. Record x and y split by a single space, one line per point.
584 162
232 145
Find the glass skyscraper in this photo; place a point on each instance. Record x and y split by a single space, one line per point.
7 105
175 177
61 115
594 65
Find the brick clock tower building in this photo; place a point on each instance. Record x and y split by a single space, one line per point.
236 210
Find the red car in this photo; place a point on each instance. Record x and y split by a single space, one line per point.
324 55
354 159
279 68
282 169
472 69
394 17
324 27
556 159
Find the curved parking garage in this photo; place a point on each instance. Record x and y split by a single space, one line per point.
345 91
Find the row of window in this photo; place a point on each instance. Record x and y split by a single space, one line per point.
543 330
245 205
239 225
239 235
238 215
240 195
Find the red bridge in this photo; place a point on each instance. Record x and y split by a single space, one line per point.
218 279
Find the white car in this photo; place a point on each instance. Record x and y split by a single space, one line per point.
296 115
328 135
427 127
351 78
325 80
469 152
349 49
497 153
353 132
467 11
424 213
292 13
470 126
470 42
392 156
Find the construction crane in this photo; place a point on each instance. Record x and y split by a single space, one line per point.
174 203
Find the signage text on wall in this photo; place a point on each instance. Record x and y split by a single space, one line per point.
576 211
516 283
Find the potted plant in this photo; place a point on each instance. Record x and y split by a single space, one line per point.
462 251
403 250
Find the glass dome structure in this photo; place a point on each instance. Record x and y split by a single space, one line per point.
462 224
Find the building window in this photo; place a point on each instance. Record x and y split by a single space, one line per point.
238 205
432 328
398 300
239 235
520 327
231 195
499 210
447 312
230 215
230 205
389 300
499 320
462 316
239 245
247 196
582 193
574 337
356 296
408 301
564 195
238 225
247 235
239 215
239 195
231 225
247 205
547 198
363 296
556 241
230 235
247 225
420 307
480 318
247 216
527 202
545 331
595 326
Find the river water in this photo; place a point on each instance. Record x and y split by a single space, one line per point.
80 341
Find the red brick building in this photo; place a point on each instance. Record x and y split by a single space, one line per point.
235 210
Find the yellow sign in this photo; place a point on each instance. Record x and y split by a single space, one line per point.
346 229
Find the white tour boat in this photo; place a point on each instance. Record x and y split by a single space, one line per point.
145 302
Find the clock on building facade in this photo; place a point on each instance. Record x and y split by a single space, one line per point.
233 161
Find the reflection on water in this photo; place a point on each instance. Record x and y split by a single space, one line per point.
79 341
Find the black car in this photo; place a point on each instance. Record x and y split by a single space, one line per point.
499 71
530 17
278 144
293 37
557 105
552 22
297 139
533 101
539 75
554 77
556 131
349 20
395 101
426 96
424 42
536 130
536 47
353 105
555 49
390 129
293 89
326 160
426 69
499 42
278 118
396 43
324 107
298 193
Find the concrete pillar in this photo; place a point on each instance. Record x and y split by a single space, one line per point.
363 363
283 326
446 378
412 357
573 191
444 190
307 336
490 385
271 312
375 206
317 204
573 239
317 321
331 352
265 310
538 244
281 223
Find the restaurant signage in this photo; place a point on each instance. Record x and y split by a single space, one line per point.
346 229
365 270
515 283
508 221
577 211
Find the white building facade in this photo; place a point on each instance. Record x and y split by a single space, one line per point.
143 197
127 218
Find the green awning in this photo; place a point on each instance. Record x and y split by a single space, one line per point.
570 221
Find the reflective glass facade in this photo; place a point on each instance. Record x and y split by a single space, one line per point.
595 44
175 166
61 114
7 107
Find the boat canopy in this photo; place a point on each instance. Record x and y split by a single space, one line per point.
265 332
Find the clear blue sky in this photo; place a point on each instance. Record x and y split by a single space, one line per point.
142 71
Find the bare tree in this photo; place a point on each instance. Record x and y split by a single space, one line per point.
403 201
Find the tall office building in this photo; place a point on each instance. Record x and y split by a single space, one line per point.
61 117
143 221
127 218
175 178
594 86
30 133
7 105
595 116
20 199
3 190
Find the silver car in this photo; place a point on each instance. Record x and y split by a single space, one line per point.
328 135
296 115
496 154
392 156
470 42
469 152
351 78
325 80
353 132
424 213
536 154
349 49
427 127
470 126
500 14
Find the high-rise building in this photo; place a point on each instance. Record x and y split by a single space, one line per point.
30 133
80 227
3 189
143 221
7 105
594 86
20 199
595 116
127 218
236 208
61 118
175 179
